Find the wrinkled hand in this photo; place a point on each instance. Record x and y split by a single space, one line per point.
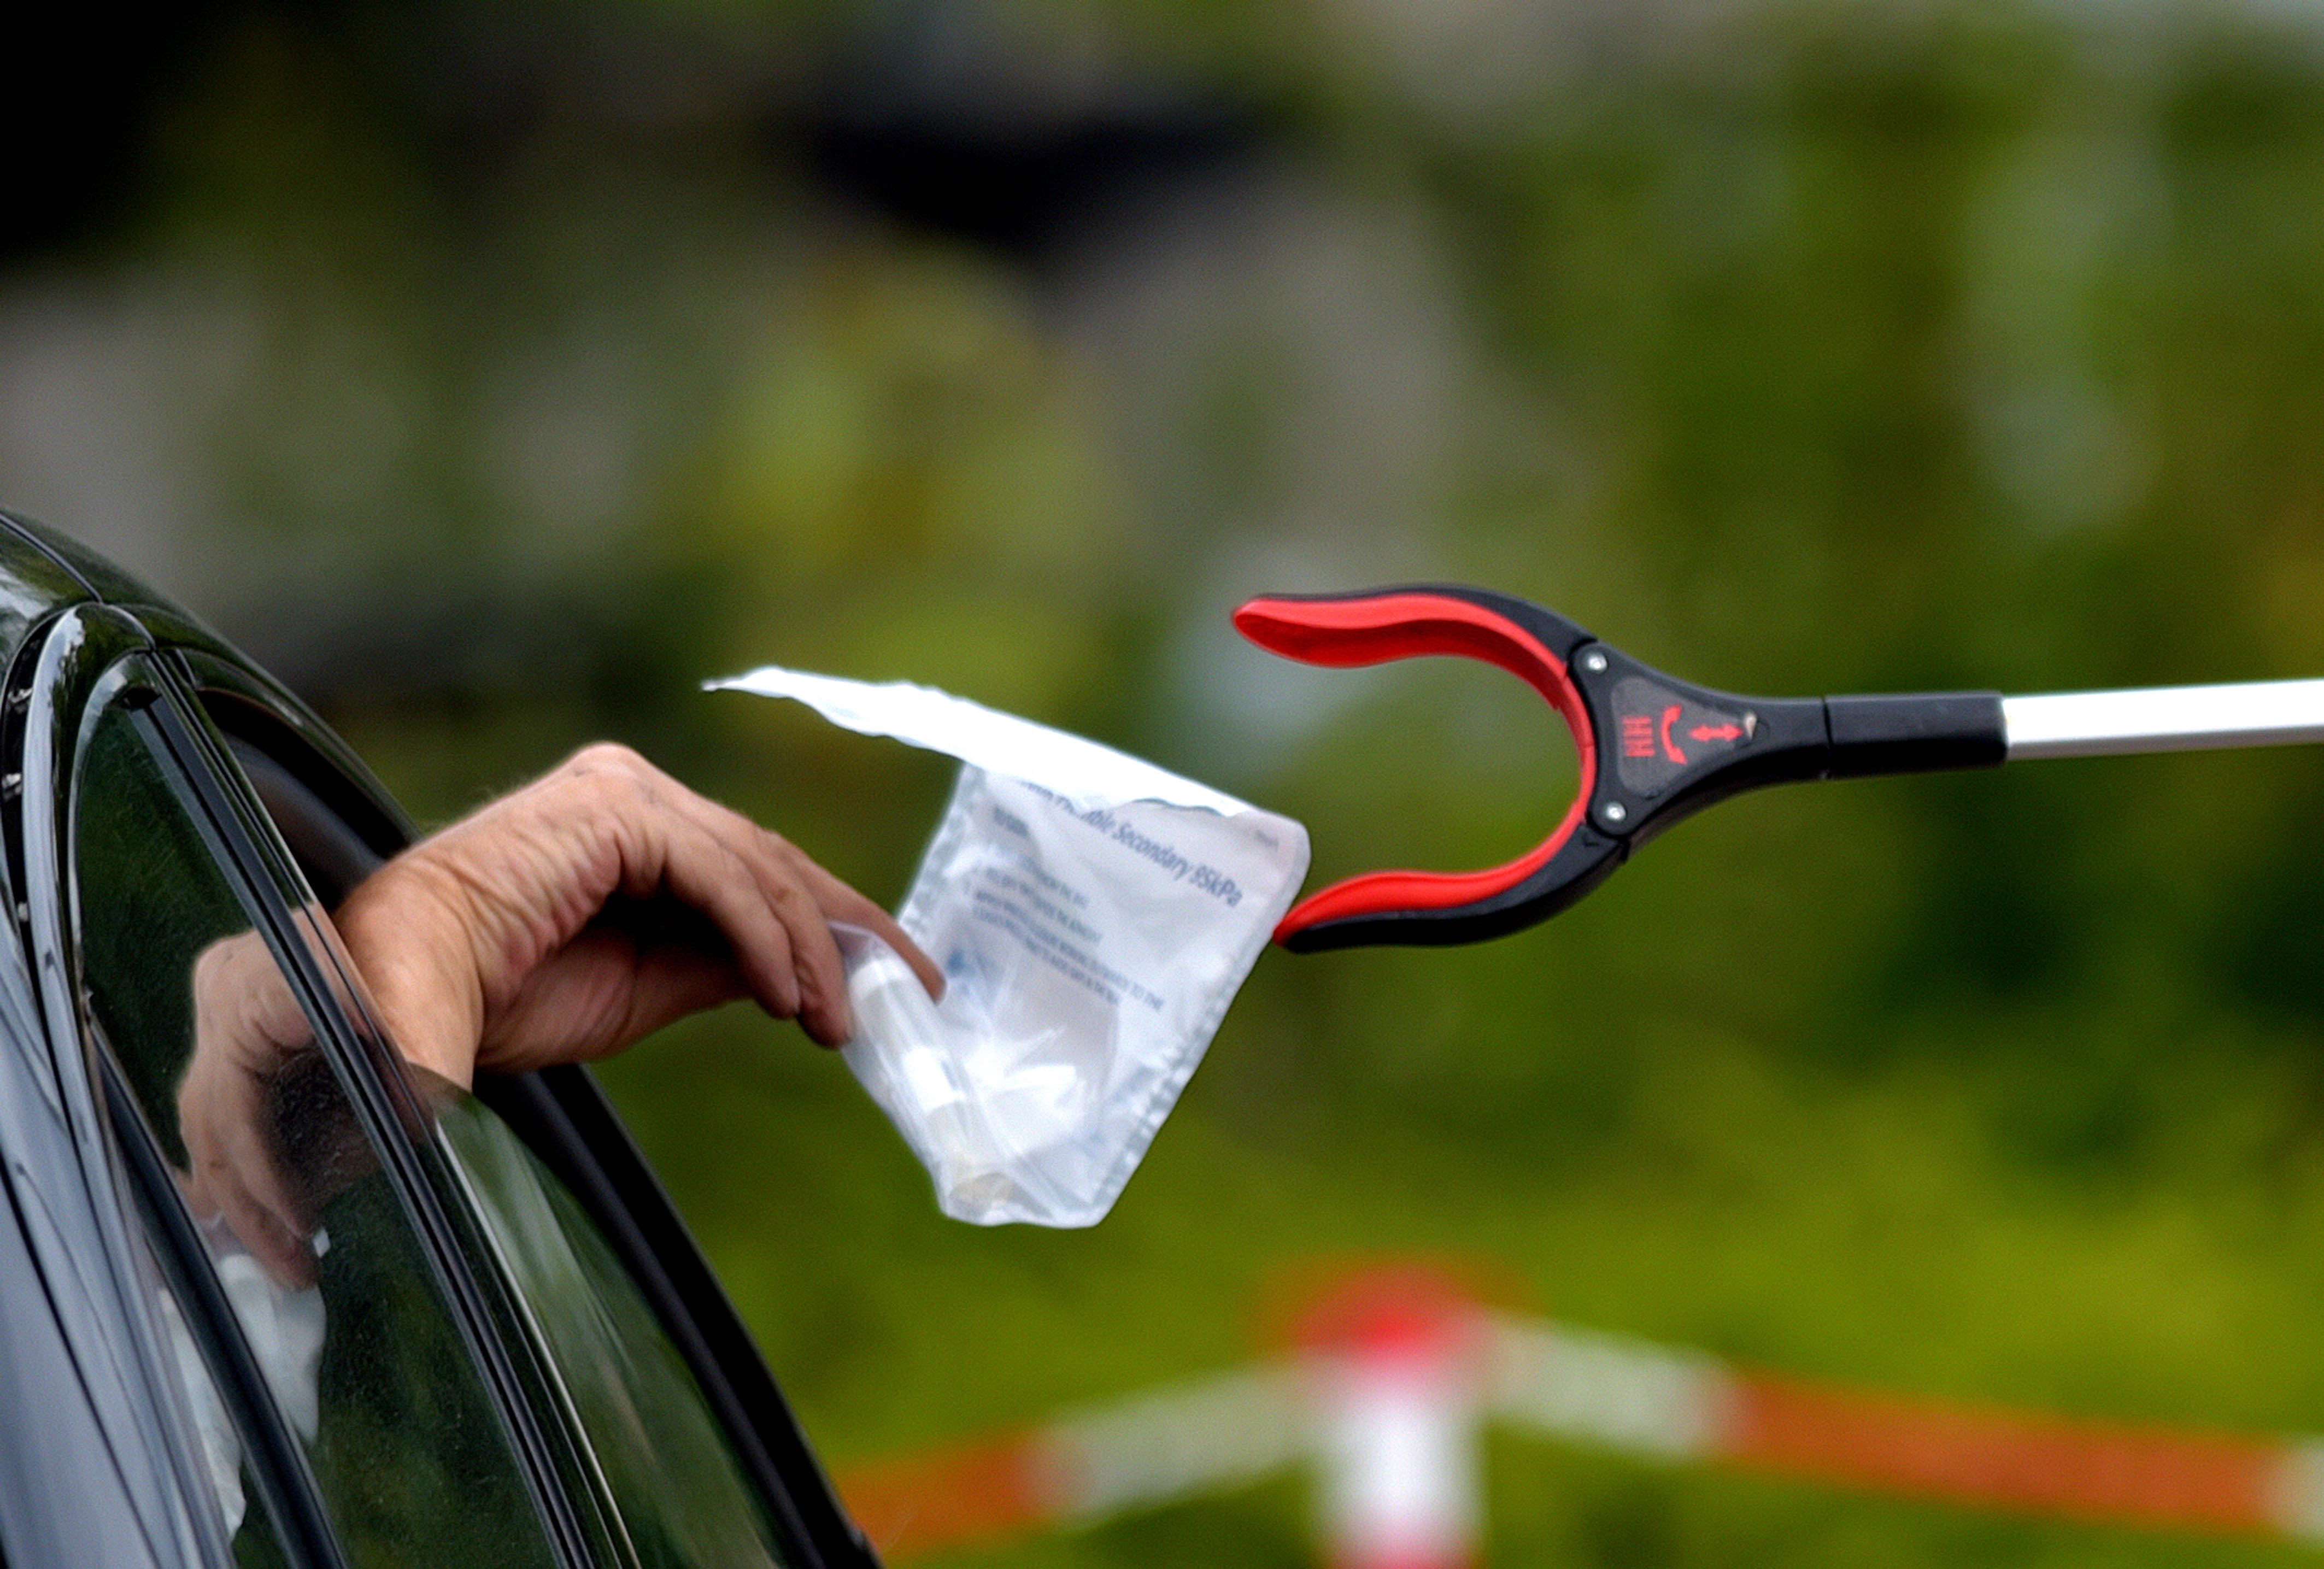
558 924
567 921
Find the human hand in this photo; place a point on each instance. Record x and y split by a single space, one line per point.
567 921
249 1031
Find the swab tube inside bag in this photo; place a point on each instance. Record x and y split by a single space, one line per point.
1093 916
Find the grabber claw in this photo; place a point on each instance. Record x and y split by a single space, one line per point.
1650 751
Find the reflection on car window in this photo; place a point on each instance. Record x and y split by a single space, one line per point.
677 1486
240 1505
334 1294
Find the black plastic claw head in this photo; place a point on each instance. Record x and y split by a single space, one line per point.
1395 623
1651 750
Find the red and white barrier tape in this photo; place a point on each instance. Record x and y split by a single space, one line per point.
1389 1407
1652 1402
1155 1449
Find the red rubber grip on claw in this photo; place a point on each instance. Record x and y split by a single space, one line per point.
1374 629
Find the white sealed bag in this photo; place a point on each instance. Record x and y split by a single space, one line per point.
1093 916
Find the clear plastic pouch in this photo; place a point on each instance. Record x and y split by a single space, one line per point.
1093 916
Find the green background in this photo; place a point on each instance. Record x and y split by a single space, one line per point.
498 372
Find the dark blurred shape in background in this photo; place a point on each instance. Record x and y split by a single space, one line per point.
99 83
952 132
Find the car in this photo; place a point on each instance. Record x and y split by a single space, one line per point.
482 1334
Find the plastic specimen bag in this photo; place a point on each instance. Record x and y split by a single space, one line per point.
1093 916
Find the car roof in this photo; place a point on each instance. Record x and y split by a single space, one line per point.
41 571
38 575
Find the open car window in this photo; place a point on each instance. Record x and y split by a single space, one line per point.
334 1300
679 1490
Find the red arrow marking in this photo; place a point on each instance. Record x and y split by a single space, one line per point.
1716 732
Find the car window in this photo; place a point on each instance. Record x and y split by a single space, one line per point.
331 1291
673 1476
206 1412
677 1482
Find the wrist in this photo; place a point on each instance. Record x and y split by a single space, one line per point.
410 946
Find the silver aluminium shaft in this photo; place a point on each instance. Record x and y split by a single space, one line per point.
2163 719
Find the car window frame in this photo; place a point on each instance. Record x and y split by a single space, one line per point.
96 650
287 1490
562 1114
61 665
569 1496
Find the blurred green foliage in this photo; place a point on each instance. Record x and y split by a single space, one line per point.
1795 349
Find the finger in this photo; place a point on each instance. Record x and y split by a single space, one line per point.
777 869
194 1187
285 1255
841 902
220 1112
757 920
822 969
245 1182
671 838
816 990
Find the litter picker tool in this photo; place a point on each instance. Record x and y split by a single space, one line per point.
1653 749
